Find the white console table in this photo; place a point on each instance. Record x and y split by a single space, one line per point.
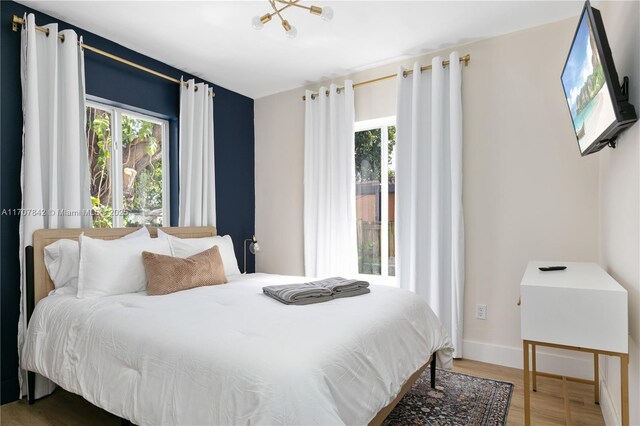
580 309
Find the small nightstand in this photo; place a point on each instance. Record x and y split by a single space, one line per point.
580 309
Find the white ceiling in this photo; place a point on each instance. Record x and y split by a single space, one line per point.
214 40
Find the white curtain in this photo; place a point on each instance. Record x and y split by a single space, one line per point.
197 168
429 221
330 244
55 171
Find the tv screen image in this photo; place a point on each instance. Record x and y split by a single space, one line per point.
585 87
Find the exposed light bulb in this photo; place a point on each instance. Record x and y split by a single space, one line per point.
327 13
254 248
257 23
292 32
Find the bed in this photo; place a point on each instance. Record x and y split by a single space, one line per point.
227 354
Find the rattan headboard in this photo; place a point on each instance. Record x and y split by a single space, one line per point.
40 279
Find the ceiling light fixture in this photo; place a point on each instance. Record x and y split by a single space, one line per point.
258 22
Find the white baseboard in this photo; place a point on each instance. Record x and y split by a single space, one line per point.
557 362
607 406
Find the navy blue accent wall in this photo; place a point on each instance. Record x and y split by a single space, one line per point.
234 152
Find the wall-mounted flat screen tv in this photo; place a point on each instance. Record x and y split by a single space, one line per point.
597 102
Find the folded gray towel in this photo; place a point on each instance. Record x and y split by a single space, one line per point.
316 291
298 294
351 293
339 285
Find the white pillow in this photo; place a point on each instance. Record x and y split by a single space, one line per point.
62 260
185 247
115 267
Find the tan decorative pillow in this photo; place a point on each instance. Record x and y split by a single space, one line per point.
168 274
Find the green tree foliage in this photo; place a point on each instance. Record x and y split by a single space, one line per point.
141 165
369 258
367 153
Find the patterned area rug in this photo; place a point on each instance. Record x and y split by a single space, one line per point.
458 399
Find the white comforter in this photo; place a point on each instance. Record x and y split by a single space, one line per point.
230 355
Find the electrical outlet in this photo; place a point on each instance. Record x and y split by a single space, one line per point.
481 311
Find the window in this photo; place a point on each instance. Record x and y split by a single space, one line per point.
375 196
127 152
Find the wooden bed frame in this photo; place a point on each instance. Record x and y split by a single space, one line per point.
382 414
39 285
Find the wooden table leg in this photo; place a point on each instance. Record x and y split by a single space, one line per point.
534 377
596 379
527 408
624 395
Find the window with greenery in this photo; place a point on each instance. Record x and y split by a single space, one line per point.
375 196
127 151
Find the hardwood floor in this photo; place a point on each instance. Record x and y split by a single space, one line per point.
547 405
61 408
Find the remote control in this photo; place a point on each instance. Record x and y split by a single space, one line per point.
552 268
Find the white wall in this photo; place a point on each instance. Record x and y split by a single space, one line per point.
527 192
279 134
620 204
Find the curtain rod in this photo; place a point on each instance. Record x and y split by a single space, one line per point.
16 21
466 58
